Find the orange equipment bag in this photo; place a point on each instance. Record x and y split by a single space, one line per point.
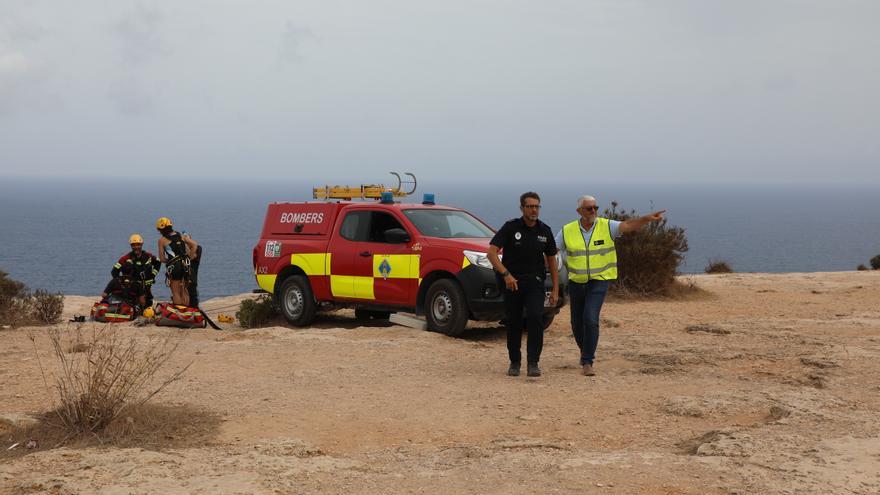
169 315
112 312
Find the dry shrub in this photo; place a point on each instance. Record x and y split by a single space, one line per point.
12 294
862 268
875 262
255 313
47 307
18 307
147 426
718 266
111 374
648 259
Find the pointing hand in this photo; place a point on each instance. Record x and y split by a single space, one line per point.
657 215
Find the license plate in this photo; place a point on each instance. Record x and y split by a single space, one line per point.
547 299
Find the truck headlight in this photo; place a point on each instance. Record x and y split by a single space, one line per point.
478 258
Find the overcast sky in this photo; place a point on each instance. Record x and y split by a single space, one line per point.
614 90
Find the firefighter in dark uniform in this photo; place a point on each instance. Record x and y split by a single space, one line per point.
176 252
193 287
529 250
142 267
123 289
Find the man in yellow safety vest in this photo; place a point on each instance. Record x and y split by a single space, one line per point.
588 253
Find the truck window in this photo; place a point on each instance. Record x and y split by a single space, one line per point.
368 226
356 226
447 224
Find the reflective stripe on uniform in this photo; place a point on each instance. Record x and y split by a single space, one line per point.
592 252
593 271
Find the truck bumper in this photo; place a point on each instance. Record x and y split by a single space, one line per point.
484 295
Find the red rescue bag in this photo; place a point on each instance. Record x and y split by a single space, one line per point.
112 312
169 315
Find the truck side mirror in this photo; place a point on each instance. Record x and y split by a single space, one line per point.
396 236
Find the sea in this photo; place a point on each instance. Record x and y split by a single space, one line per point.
65 235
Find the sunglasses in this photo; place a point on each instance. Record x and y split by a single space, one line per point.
590 208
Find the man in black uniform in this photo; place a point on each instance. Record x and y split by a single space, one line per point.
193 287
529 249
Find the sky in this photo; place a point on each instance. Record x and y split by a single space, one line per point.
331 90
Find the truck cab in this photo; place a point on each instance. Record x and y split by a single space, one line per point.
381 257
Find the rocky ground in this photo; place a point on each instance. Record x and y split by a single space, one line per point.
769 385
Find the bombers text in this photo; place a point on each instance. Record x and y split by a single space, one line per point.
302 217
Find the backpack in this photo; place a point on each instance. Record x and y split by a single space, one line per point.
112 312
169 315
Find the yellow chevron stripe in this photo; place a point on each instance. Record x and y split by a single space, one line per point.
312 263
349 286
267 282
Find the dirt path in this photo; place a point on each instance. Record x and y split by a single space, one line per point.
772 385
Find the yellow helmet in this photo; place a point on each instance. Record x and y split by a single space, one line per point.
163 222
135 239
149 313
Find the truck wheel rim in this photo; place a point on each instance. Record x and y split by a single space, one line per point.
441 307
294 302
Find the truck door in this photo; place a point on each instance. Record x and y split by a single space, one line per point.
382 267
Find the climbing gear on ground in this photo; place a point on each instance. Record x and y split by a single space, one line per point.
107 312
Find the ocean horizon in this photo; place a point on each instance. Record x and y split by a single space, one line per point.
65 235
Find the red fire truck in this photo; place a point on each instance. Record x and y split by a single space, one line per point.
381 257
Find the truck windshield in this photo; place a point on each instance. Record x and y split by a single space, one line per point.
447 224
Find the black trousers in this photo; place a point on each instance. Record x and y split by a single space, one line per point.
193 287
528 297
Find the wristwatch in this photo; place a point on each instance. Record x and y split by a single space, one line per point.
504 273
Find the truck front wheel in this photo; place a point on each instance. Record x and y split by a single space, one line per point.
446 308
296 301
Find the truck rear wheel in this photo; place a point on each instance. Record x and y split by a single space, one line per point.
445 308
296 301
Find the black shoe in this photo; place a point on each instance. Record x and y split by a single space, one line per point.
533 370
514 369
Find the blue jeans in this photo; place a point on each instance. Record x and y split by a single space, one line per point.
586 303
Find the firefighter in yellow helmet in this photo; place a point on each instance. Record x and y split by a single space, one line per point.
141 267
177 252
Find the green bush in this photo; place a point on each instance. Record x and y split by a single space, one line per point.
875 262
254 313
862 268
648 259
718 266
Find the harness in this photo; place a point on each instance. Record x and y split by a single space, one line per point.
176 251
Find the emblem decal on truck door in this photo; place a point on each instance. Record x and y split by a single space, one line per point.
385 268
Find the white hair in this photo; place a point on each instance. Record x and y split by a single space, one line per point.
586 197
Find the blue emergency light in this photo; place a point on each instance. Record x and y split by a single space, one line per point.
428 199
386 198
